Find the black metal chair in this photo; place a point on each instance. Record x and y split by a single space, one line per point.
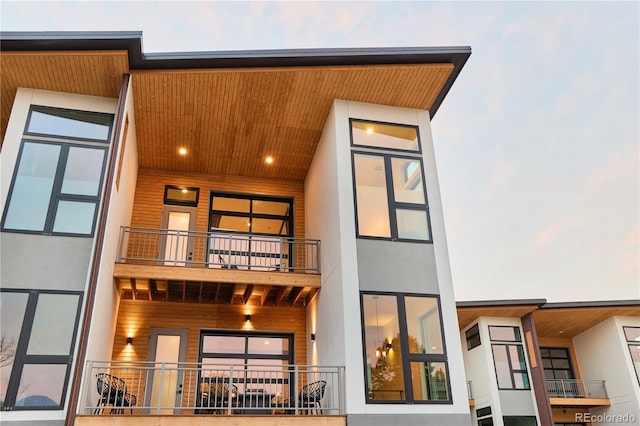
215 396
113 391
310 397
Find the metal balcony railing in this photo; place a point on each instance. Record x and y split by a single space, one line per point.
147 388
224 250
573 388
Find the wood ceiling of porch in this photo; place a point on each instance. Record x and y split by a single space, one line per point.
214 292
228 119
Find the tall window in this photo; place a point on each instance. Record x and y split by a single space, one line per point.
261 222
57 183
38 330
391 201
632 334
405 356
556 363
508 357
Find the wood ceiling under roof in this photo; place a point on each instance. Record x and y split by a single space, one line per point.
229 119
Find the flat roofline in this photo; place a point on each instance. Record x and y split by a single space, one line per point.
500 303
543 304
131 41
592 304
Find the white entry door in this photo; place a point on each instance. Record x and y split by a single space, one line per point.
177 244
165 383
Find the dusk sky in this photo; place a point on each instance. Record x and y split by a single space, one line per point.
537 144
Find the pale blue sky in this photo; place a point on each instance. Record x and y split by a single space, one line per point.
537 144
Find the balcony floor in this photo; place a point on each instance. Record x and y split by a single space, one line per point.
580 402
218 420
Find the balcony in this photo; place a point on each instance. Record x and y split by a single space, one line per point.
155 392
586 393
216 267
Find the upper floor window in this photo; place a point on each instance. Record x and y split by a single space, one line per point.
391 200
473 337
251 214
384 135
69 124
57 183
405 355
509 359
632 335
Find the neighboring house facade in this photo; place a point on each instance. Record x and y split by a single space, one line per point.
251 237
529 362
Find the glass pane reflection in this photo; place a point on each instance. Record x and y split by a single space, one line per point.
83 171
67 123
53 324
41 385
429 381
32 188
12 307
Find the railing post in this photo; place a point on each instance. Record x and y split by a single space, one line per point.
121 243
295 390
318 256
160 386
230 396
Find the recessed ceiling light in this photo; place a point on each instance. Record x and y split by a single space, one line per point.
561 331
268 160
182 151
369 130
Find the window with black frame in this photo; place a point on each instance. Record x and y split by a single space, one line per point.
390 194
632 335
250 232
57 181
251 367
38 331
508 357
405 356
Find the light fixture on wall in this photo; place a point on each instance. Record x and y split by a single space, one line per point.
387 345
313 337
247 318
129 340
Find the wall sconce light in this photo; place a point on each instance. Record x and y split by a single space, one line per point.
129 340
313 337
247 318
387 345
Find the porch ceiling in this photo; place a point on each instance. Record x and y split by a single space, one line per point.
215 286
228 109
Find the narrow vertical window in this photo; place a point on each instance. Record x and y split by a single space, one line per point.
390 196
509 359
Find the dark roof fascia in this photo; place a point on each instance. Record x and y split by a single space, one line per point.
132 42
632 303
501 303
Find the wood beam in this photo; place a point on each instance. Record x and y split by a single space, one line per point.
133 288
310 295
265 294
248 291
295 295
280 295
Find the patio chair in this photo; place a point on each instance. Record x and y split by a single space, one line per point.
113 391
215 396
310 397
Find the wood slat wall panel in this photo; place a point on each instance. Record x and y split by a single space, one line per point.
149 197
136 318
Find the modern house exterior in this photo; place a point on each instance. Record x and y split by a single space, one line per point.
530 362
257 238
226 237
